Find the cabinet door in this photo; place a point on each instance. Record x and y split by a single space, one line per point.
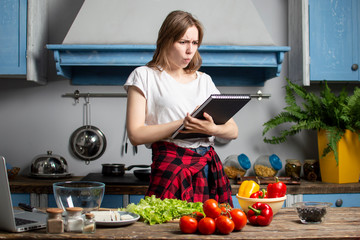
347 199
334 39
13 37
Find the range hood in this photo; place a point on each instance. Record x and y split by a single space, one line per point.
235 55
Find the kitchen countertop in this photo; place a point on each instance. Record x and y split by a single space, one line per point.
24 184
341 223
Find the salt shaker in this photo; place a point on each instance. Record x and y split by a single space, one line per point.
74 222
89 224
55 222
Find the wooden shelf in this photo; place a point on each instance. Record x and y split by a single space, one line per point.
112 64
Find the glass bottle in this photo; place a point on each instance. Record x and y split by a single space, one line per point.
89 224
74 221
55 222
293 168
267 165
311 169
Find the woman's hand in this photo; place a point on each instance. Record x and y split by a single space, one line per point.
193 125
229 130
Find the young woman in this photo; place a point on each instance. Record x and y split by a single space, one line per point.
160 97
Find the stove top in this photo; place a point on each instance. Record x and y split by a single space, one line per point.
126 179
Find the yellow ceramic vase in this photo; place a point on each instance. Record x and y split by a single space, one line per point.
348 169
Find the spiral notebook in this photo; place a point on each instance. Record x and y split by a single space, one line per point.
221 107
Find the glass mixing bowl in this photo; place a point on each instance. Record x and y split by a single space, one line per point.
85 194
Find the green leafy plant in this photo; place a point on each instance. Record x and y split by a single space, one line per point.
329 112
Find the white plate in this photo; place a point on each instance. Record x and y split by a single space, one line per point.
115 223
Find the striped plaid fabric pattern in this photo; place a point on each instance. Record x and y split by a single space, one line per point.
177 172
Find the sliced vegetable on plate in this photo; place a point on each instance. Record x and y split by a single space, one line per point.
114 218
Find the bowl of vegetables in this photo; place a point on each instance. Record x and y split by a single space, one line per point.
275 203
274 195
311 212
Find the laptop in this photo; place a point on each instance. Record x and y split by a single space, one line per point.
13 220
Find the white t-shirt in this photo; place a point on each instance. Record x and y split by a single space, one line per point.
168 100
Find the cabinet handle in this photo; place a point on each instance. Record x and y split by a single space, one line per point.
339 202
354 67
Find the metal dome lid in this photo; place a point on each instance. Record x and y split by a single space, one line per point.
49 164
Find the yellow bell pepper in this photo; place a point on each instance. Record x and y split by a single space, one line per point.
247 188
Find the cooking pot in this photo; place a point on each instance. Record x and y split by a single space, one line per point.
49 166
117 169
143 174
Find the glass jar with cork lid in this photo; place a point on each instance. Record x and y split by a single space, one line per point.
55 221
74 221
89 224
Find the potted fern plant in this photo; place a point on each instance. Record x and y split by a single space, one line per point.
336 118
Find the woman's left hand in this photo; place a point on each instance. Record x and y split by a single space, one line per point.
195 125
205 126
229 130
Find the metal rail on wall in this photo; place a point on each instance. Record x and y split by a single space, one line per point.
76 95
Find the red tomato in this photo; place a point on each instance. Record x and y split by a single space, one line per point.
188 224
198 216
211 208
239 218
207 226
225 209
224 224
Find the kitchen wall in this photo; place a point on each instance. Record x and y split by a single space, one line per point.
35 118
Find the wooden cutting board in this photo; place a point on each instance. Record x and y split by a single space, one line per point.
267 180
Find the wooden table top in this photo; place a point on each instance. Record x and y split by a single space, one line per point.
23 184
341 223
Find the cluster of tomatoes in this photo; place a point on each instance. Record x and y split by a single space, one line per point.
218 217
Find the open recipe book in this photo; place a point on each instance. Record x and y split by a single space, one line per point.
221 107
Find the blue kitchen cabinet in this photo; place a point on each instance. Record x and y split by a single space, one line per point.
109 200
13 15
20 198
112 201
348 199
334 40
117 200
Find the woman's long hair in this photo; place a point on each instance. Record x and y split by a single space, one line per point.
173 28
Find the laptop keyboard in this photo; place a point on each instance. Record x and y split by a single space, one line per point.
21 221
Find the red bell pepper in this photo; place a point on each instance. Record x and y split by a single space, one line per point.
259 194
277 189
260 214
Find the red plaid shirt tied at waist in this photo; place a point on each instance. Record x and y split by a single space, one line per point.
178 172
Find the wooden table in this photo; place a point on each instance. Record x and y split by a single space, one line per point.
341 223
